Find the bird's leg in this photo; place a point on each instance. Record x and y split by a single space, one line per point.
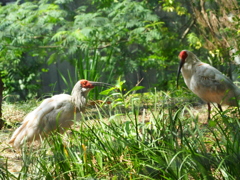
209 110
220 107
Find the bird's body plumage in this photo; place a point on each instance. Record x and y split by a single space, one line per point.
207 82
55 113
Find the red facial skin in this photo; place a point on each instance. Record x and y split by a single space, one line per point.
183 55
86 84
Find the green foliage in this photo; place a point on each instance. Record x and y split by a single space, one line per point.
194 41
174 6
86 67
23 31
120 98
127 36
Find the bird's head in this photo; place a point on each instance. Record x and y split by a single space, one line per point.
84 86
88 85
182 56
81 89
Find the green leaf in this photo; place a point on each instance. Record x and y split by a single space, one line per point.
136 88
52 58
107 91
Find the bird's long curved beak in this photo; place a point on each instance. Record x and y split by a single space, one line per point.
179 70
100 84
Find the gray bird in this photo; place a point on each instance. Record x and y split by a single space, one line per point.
207 82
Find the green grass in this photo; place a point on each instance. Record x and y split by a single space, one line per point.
137 137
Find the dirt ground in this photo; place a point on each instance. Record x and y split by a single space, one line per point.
13 157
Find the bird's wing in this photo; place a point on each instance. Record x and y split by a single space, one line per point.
210 84
35 122
62 116
209 76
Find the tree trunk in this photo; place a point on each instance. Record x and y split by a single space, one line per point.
1 97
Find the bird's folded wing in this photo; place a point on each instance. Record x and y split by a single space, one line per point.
213 79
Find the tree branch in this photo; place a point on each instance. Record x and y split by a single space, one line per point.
187 30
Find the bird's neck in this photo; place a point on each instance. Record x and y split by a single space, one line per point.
79 100
190 64
188 69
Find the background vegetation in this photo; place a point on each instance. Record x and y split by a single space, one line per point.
122 37
123 40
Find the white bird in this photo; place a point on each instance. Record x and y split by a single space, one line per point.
207 82
55 113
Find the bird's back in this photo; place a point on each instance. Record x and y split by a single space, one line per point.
54 112
212 86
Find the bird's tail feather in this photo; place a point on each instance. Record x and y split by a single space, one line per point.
18 136
27 131
32 126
